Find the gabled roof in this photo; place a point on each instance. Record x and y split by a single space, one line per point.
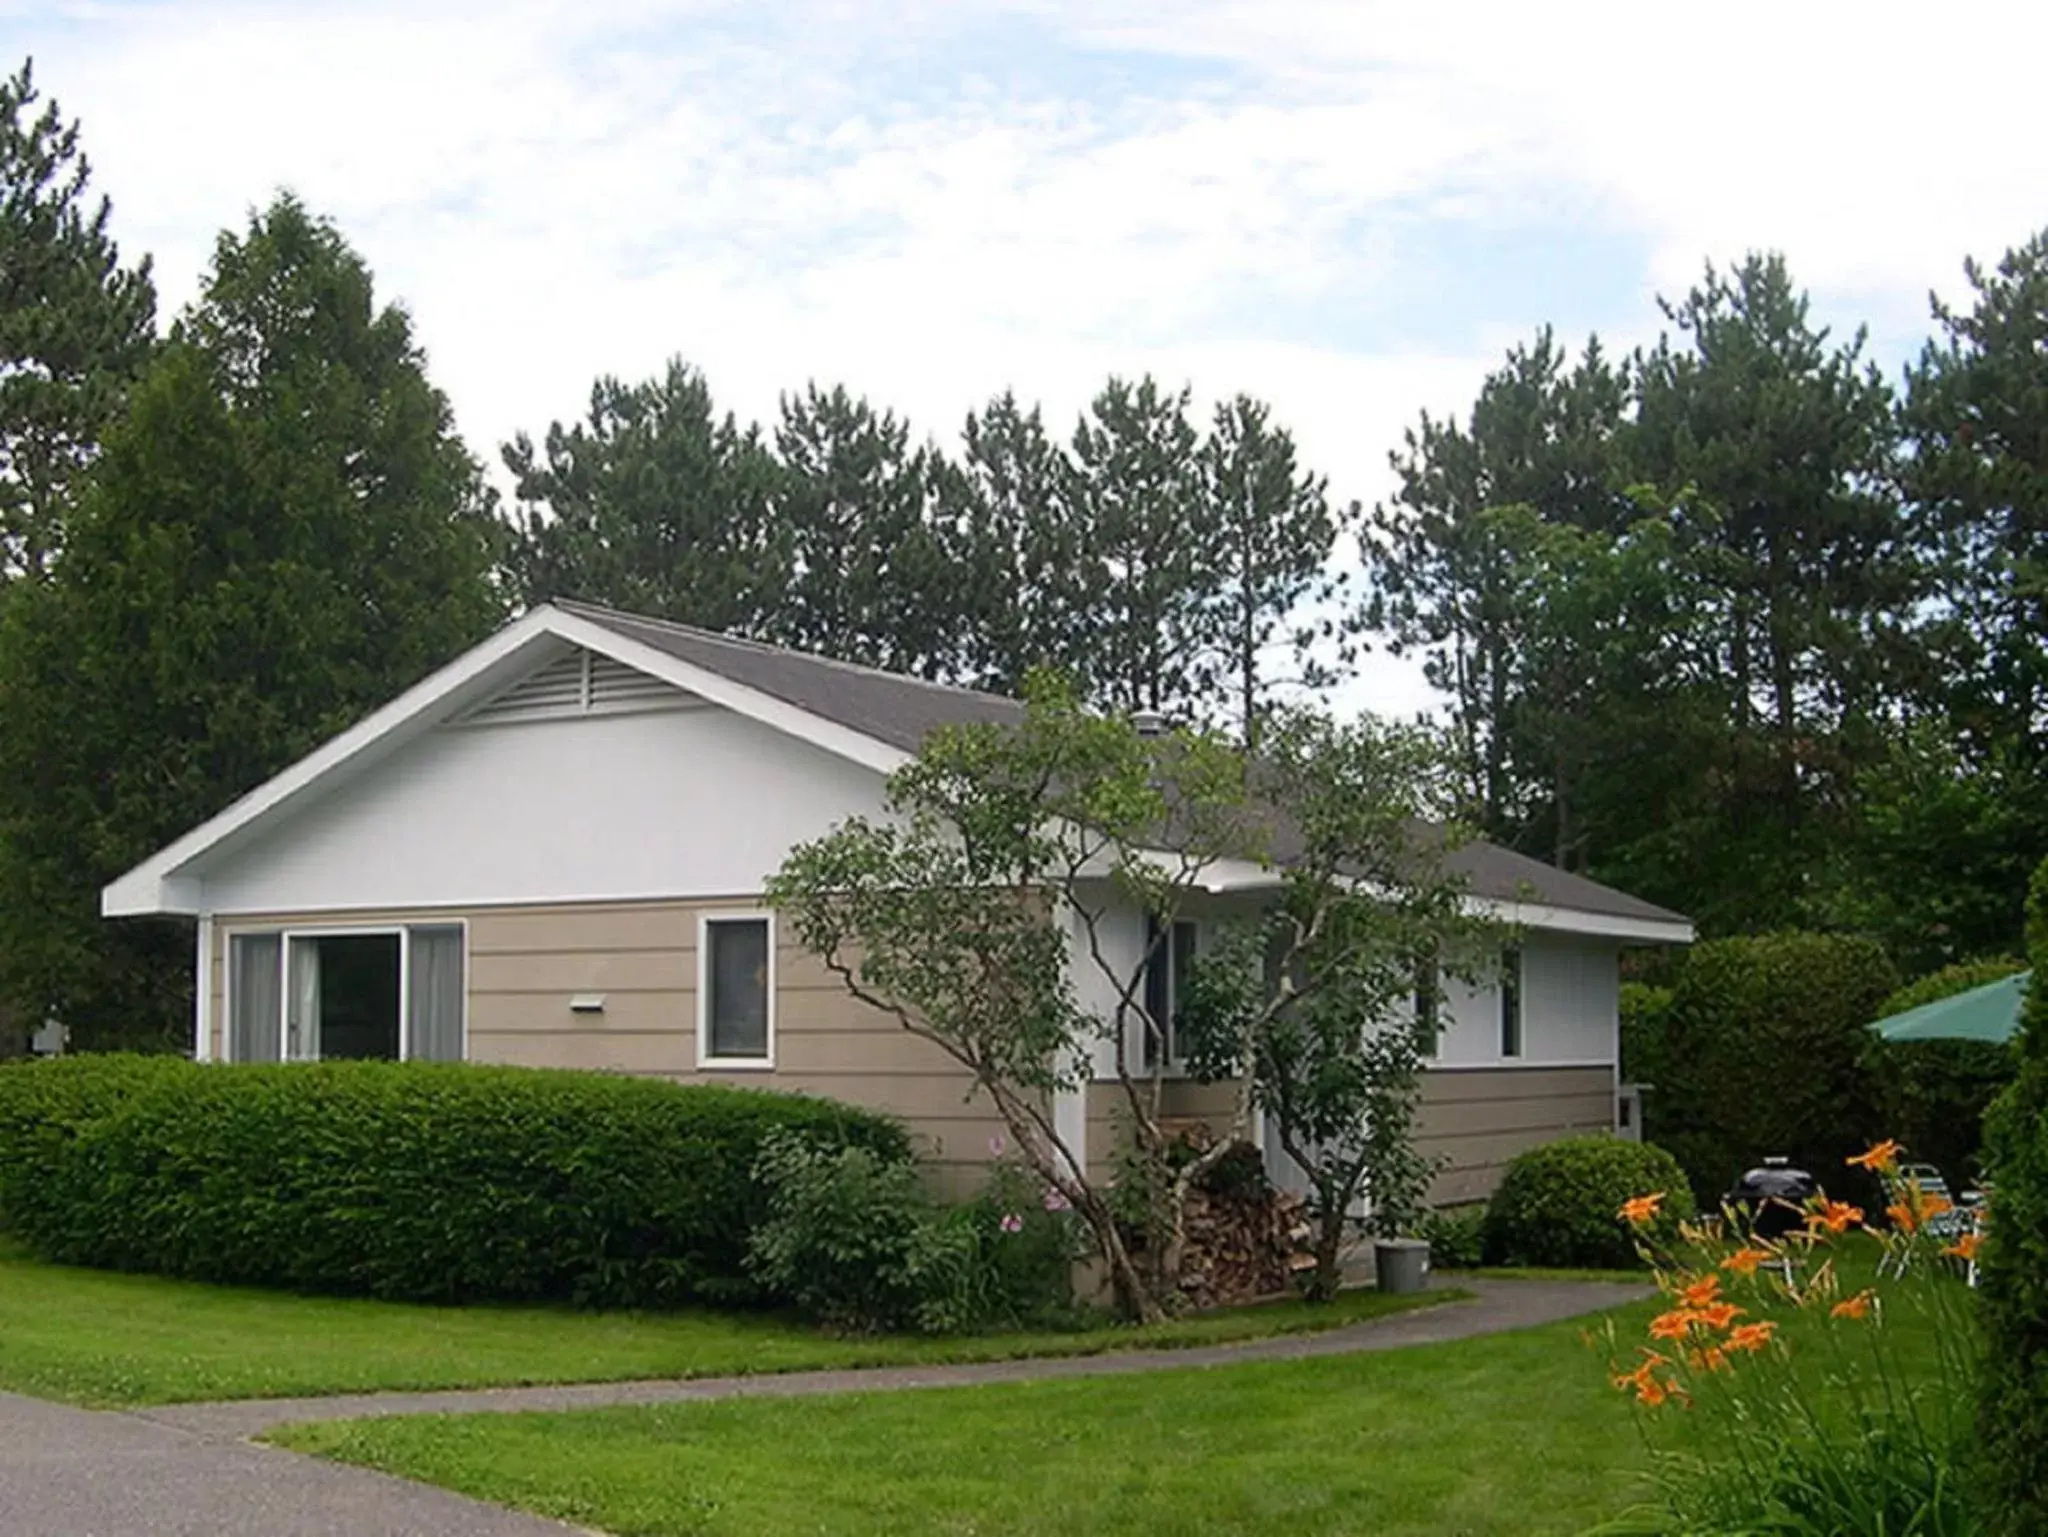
887 706
875 718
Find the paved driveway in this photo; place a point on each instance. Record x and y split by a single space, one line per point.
72 1473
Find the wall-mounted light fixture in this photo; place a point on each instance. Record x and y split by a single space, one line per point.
587 1003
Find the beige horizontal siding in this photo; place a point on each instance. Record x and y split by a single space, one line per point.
526 963
1478 1120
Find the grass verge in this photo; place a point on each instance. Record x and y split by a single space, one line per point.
1517 1433
102 1339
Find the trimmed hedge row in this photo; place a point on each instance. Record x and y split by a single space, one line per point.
416 1181
1559 1204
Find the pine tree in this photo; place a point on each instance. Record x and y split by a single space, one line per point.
1275 538
282 533
75 325
655 504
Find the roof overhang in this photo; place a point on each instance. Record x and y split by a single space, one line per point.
169 881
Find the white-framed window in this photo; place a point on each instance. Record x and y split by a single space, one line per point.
1172 960
1511 1041
367 992
736 990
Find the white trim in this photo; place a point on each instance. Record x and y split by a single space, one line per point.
1517 1065
705 1061
163 884
202 993
1571 920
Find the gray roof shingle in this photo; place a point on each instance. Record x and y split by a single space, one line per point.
902 711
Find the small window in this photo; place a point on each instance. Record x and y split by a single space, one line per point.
1166 982
1429 1025
1511 1002
736 992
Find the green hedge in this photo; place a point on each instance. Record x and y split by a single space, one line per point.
45 1106
1759 1050
426 1182
2013 1404
1558 1204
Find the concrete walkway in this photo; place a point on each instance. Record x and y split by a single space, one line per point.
1496 1306
186 1470
72 1473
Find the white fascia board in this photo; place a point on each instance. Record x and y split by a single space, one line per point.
791 720
1237 875
1571 920
161 883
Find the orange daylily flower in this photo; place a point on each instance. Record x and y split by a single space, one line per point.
1857 1306
1652 1392
1674 1325
1966 1246
1641 1209
1835 1216
1744 1261
1883 1157
1719 1316
1712 1359
1705 1290
1752 1337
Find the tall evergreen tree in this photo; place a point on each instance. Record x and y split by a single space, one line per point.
76 326
1542 436
1784 438
282 533
656 504
1017 548
1147 558
872 579
1275 539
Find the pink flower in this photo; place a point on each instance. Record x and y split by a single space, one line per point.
997 1146
1012 1223
1054 1201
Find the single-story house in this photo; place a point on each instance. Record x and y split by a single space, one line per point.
551 852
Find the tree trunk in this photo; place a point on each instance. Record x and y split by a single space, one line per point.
1328 1278
14 1033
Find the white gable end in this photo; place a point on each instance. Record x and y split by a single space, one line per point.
533 798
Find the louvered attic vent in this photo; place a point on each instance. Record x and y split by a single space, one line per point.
581 683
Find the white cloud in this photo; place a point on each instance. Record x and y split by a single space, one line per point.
933 201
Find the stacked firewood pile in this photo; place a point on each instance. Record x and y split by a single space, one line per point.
1245 1239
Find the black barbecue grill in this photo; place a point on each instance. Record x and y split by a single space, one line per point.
1772 1199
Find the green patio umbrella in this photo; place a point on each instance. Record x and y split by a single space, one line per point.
1987 1013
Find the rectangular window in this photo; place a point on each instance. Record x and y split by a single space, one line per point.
1167 972
1429 1024
735 992
349 994
1511 1001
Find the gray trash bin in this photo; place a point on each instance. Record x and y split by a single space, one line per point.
1401 1264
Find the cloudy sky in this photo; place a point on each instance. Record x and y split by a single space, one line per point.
1348 208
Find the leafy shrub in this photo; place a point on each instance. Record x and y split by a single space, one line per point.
1933 1094
430 1182
856 1241
1456 1236
2013 1401
1557 1204
46 1105
1761 1051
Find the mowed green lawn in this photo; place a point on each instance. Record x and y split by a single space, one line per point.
1514 1434
97 1338
1519 1433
